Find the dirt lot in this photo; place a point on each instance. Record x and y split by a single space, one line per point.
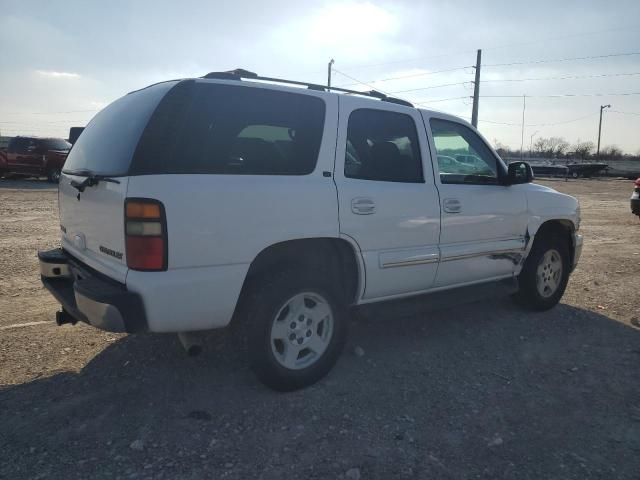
483 390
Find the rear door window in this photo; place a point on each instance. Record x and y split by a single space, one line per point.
234 130
382 146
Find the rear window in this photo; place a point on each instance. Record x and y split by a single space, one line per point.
107 144
225 129
54 144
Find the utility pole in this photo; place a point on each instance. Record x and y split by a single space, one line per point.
602 107
524 106
531 142
329 73
476 91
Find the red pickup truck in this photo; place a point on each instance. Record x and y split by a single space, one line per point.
35 157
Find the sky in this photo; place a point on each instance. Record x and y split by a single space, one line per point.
64 61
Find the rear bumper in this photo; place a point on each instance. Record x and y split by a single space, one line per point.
577 249
88 296
635 203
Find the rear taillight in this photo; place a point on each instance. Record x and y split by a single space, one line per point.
637 183
146 234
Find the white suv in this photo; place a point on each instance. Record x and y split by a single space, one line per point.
190 203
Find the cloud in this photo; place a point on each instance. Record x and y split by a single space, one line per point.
54 74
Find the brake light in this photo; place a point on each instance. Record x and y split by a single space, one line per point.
146 234
637 183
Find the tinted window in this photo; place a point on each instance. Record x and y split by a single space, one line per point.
237 130
382 146
107 144
21 145
54 144
462 155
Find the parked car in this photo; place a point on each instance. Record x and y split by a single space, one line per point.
35 157
549 170
450 164
587 170
279 207
635 198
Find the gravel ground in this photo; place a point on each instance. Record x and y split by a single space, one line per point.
481 390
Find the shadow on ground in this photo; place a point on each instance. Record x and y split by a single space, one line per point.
478 391
23 183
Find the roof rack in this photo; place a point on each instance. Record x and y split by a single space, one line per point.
239 74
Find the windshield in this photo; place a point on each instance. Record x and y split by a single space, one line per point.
54 144
109 140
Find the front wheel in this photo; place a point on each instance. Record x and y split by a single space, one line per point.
545 274
295 330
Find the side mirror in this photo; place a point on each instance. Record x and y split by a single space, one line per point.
519 172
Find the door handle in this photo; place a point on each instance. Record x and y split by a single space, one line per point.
363 206
451 205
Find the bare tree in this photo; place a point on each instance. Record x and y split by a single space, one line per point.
583 149
541 145
551 147
559 146
500 148
611 152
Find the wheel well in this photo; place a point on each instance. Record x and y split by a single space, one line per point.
327 256
562 228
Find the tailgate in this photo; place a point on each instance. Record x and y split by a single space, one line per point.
92 224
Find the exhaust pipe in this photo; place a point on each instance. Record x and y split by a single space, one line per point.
63 317
191 342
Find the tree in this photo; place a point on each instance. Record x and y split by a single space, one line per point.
541 145
583 149
611 152
558 146
551 147
501 148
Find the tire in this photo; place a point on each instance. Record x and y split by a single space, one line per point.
541 285
575 174
53 175
281 311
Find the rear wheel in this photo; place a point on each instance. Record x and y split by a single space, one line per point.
295 329
53 175
545 274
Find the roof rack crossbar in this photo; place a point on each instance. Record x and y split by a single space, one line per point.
239 74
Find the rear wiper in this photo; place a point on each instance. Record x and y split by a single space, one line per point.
92 179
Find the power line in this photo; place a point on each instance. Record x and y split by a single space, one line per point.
495 47
624 113
395 62
413 75
532 62
356 80
556 60
570 77
562 95
432 86
557 37
541 124
437 100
